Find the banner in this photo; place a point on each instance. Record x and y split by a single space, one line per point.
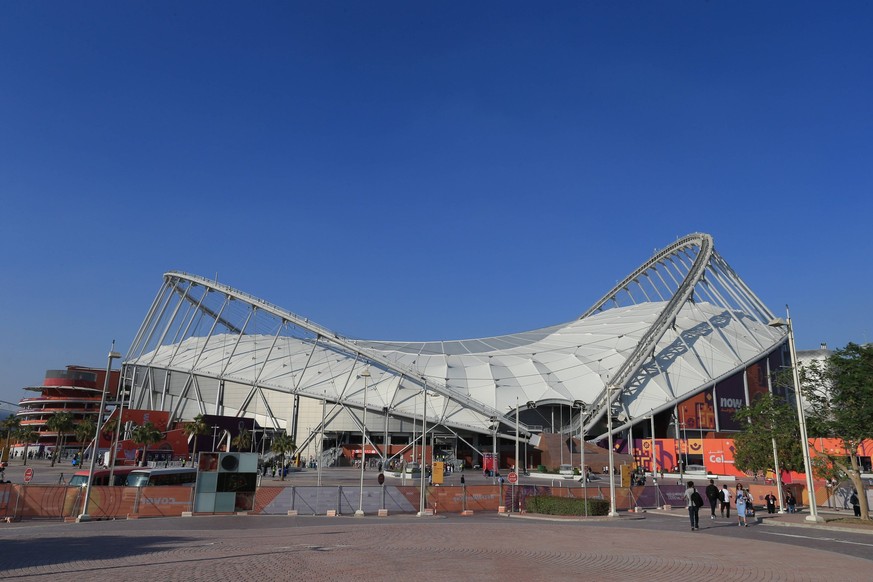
730 397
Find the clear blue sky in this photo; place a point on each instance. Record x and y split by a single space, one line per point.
412 170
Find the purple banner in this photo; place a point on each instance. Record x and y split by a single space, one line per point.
730 396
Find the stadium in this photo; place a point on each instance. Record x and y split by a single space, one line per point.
675 347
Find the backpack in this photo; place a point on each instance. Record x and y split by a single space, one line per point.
696 499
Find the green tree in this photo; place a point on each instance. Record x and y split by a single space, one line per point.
108 428
8 429
85 432
766 419
282 445
840 396
242 441
146 435
194 429
26 435
59 423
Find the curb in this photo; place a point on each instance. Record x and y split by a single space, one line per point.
818 527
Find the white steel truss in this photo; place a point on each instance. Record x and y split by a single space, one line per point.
675 326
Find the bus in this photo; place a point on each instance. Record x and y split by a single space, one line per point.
101 477
145 477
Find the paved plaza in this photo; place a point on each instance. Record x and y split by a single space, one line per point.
653 546
432 548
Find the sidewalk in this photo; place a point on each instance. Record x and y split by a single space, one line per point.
782 519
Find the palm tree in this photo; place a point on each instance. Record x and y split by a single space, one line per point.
145 435
108 428
85 431
26 435
195 428
9 427
59 423
282 444
242 441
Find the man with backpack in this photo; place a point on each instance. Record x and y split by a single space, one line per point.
713 495
693 502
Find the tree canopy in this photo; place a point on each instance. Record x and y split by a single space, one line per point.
283 444
145 435
840 397
194 429
766 419
60 423
242 441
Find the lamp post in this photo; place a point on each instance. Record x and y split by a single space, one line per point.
366 376
612 510
654 456
385 411
320 460
801 417
581 405
514 499
678 436
112 355
113 450
421 493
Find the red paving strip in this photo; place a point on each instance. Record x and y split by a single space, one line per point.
277 548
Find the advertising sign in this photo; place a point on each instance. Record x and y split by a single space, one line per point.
730 397
698 412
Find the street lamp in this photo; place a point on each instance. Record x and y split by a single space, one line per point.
366 376
678 435
516 453
801 417
421 492
612 510
113 447
581 406
321 440
112 356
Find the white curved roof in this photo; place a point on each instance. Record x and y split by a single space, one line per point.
674 326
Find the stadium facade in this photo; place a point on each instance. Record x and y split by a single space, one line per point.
678 345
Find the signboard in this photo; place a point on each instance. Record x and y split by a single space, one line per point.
730 396
439 469
28 475
512 477
625 472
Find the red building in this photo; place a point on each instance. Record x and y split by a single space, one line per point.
76 390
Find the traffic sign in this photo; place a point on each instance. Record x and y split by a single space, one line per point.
28 474
512 477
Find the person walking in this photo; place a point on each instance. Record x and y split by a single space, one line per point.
725 501
693 501
771 502
713 496
855 502
742 499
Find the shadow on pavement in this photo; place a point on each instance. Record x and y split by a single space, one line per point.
30 552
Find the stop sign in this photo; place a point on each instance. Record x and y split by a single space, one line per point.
28 474
512 477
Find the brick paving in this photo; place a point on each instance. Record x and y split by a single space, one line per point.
284 548
399 547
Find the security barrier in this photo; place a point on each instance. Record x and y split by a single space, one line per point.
59 502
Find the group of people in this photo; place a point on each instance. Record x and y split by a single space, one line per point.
720 498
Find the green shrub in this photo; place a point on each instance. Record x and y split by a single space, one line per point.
551 505
541 468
